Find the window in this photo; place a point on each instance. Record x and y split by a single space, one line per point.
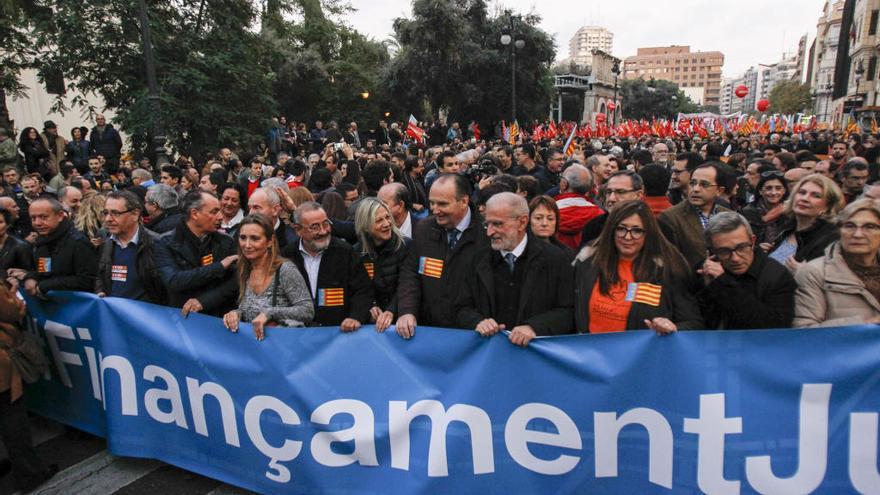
872 26
872 67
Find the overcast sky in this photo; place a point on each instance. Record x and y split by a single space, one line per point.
748 32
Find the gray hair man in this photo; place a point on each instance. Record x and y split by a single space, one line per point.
160 204
743 288
518 282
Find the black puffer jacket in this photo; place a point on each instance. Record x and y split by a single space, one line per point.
384 270
16 253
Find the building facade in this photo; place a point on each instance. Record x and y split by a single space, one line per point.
681 66
587 39
825 58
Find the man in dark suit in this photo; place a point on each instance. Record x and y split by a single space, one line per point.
442 252
396 196
266 201
520 283
339 284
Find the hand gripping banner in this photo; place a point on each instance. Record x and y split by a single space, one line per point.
315 410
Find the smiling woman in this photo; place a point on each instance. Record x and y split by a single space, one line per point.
632 278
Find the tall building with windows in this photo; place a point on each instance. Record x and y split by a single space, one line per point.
693 72
587 39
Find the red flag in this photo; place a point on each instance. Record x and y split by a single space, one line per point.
475 130
551 130
414 131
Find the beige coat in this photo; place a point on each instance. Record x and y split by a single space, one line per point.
830 294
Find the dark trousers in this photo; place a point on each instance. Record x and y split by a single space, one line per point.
16 435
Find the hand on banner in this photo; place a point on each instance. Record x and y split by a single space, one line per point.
230 320
522 335
191 306
31 287
16 273
349 325
406 326
383 321
259 324
488 327
661 325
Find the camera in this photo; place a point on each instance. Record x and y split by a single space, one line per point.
338 146
484 168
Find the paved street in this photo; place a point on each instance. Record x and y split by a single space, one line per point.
88 469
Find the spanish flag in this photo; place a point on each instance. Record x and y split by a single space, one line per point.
644 293
331 297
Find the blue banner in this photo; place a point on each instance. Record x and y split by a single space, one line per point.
316 410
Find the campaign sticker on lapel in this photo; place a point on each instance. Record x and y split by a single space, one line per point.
644 293
371 270
119 273
331 297
430 267
207 259
44 265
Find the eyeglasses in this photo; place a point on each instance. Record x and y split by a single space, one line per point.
636 232
114 214
868 228
772 173
702 183
317 228
677 171
741 250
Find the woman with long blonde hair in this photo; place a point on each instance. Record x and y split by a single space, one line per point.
272 291
90 218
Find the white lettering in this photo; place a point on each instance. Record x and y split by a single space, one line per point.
476 419
288 451
197 395
54 331
711 427
517 437
608 428
127 384
813 448
863 453
171 393
362 433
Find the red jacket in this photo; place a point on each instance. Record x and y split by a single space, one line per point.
574 212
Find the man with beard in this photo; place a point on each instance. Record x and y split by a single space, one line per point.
338 282
839 152
195 261
520 283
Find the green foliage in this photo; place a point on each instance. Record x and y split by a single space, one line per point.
654 98
789 97
450 56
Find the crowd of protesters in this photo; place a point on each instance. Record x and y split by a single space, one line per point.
324 226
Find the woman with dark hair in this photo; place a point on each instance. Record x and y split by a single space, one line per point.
765 212
632 278
36 155
14 252
272 291
383 250
78 150
544 221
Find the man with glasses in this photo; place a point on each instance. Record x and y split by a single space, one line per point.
684 223
855 176
660 153
684 164
742 288
340 287
520 284
196 262
126 264
624 185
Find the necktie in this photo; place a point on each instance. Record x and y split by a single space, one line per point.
510 258
453 238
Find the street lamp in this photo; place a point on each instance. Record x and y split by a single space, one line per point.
615 69
152 87
507 39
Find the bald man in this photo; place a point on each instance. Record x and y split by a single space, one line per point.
518 283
